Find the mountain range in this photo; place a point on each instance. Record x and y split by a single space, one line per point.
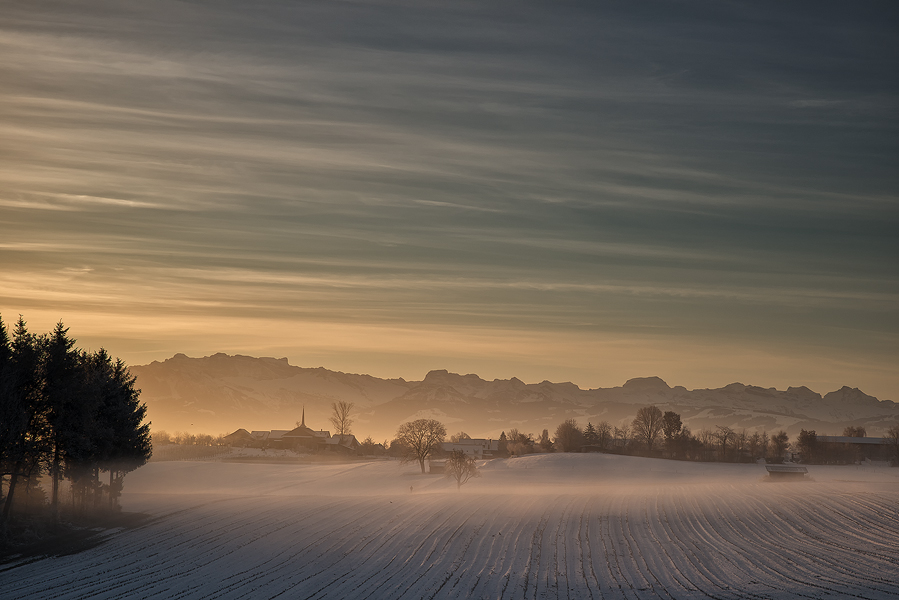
220 393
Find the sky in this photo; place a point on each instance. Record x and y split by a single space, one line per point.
571 191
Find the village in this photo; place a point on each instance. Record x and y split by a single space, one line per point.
650 434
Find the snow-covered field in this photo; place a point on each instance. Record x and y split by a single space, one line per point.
543 526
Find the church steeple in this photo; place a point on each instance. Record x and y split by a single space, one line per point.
303 418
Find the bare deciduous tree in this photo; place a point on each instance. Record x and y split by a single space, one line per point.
461 467
341 417
458 437
723 436
519 443
419 438
622 435
647 426
603 434
755 445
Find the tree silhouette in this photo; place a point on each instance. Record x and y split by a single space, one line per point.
590 437
807 444
647 426
461 467
603 434
544 442
780 441
420 438
569 436
851 431
76 412
892 440
723 436
22 426
461 436
341 417
67 415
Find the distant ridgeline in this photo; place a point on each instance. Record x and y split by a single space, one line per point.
223 393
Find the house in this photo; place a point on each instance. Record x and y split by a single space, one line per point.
275 438
259 439
239 439
346 444
478 448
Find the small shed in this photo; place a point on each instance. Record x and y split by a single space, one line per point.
786 471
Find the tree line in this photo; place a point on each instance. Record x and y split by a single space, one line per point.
651 433
67 414
654 433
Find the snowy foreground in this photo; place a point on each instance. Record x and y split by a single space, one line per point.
543 526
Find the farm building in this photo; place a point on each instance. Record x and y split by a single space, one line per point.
841 449
344 444
239 439
479 448
305 437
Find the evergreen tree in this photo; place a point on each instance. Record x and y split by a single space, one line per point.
671 427
130 445
76 412
69 409
22 423
590 436
546 444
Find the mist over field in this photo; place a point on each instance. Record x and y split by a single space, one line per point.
541 526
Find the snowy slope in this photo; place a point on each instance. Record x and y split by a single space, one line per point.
542 526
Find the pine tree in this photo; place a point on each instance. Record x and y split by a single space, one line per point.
22 422
546 444
590 437
131 446
69 409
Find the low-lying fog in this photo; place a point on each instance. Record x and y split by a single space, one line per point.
536 474
555 525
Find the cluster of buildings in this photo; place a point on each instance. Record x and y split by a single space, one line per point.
303 437
299 438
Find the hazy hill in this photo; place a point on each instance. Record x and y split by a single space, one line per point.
220 393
